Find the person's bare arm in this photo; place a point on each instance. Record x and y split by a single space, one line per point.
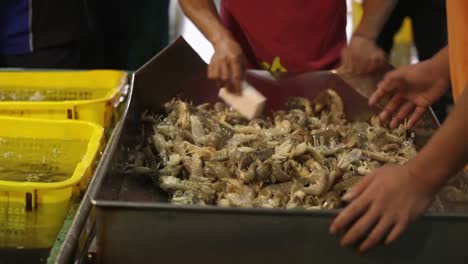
227 63
362 55
375 14
390 198
204 15
447 151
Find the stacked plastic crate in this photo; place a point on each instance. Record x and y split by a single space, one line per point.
51 131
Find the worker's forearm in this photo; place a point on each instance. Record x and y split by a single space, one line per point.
440 64
204 15
376 13
447 151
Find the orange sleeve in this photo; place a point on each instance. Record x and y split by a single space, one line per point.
457 21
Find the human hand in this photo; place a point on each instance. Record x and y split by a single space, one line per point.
414 88
384 202
227 64
362 56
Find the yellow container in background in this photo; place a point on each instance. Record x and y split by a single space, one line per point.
80 95
357 13
405 34
32 213
402 45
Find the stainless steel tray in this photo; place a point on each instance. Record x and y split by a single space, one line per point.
135 224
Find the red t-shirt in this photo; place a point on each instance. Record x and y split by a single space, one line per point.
288 35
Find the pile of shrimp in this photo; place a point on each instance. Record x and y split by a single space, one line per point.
306 156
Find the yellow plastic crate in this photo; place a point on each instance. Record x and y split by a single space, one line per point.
81 95
32 213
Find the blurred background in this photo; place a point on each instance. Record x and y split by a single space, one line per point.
403 51
129 33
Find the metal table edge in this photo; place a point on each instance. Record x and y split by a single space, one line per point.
69 244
